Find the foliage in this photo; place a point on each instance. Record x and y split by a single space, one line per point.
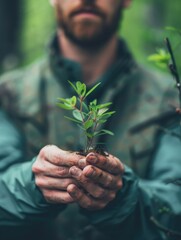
89 116
161 58
164 58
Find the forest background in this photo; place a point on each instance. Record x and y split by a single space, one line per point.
27 26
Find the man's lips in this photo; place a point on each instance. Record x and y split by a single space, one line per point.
87 12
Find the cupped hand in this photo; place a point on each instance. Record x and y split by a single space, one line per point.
52 177
99 177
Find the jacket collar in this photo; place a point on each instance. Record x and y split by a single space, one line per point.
72 71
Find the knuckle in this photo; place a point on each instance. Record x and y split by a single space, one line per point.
48 196
50 152
114 166
71 188
119 184
88 205
99 193
98 206
68 199
68 182
43 152
39 182
112 196
120 167
86 202
62 171
98 174
75 192
102 205
83 180
109 181
36 168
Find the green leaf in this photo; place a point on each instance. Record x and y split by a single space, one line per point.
73 86
92 89
161 58
93 103
89 135
85 107
170 28
83 91
80 126
73 119
73 100
80 89
77 115
79 85
89 124
100 121
64 106
102 111
100 106
107 132
108 114
64 100
103 132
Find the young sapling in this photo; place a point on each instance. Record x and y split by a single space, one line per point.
88 116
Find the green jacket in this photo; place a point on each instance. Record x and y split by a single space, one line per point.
146 201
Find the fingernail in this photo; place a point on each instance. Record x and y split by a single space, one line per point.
88 171
82 163
92 158
74 171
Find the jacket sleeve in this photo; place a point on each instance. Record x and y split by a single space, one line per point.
147 209
20 200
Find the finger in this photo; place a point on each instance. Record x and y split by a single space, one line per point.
82 163
104 179
84 200
89 186
53 183
59 157
57 197
48 169
108 163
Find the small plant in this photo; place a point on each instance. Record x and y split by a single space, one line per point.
88 116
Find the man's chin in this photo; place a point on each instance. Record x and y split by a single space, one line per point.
89 43
90 37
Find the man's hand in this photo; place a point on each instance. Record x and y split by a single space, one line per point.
52 176
99 179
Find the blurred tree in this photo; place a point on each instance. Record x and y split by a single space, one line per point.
163 14
144 27
37 27
9 29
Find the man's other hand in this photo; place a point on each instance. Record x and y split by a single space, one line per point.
99 179
52 177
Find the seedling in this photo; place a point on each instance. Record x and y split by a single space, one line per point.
87 116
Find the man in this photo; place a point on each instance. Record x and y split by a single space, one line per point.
103 197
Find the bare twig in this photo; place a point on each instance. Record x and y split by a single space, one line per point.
173 68
165 230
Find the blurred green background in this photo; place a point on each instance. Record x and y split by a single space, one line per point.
143 27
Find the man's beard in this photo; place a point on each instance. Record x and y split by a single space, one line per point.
97 40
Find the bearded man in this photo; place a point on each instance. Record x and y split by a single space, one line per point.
122 194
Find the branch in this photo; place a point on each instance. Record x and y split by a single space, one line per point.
173 68
164 229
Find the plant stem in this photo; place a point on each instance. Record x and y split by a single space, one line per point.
173 68
164 229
